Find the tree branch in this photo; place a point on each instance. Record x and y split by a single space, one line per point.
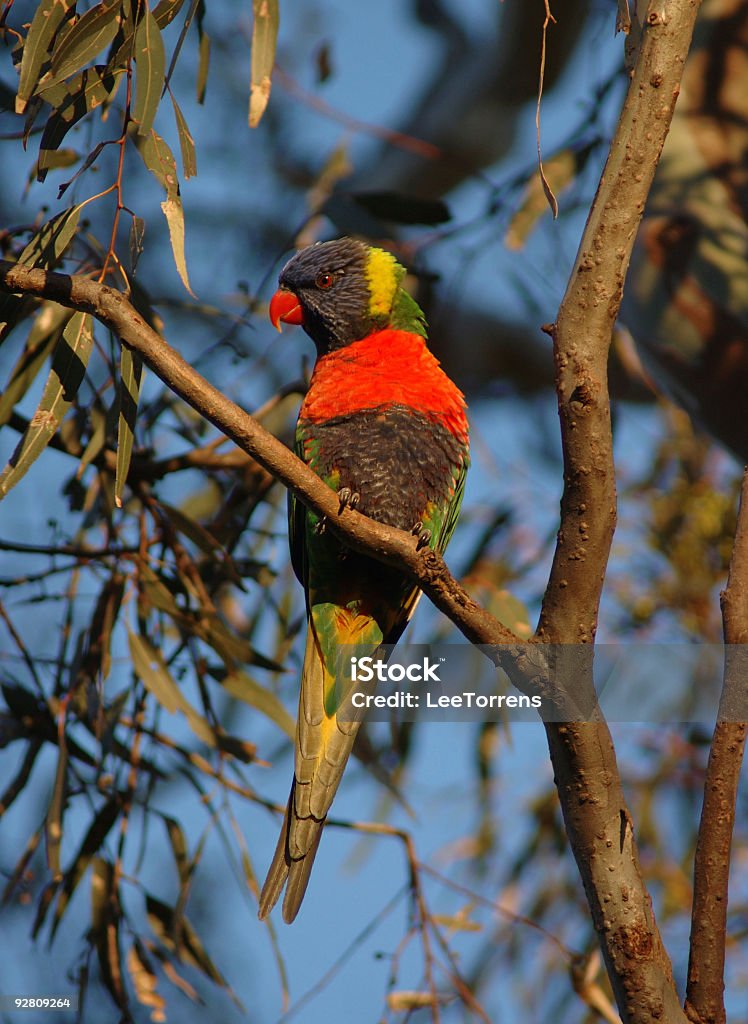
597 818
706 961
583 330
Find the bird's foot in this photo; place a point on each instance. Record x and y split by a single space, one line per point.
424 536
320 526
348 498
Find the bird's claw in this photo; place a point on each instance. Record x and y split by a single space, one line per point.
424 539
320 526
348 498
416 528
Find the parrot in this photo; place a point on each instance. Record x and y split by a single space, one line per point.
385 427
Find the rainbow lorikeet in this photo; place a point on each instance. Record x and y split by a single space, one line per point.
384 426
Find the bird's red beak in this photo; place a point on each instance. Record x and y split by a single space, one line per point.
285 306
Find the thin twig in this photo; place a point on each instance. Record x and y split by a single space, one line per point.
18 641
338 964
69 550
419 147
706 963
569 954
552 201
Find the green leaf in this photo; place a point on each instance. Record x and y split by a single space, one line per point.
244 688
121 51
160 595
97 832
97 656
137 234
196 532
88 37
105 927
160 161
161 918
264 37
47 19
68 369
131 372
43 336
98 420
55 812
53 160
102 879
149 79
51 240
179 849
45 249
144 981
230 647
197 7
85 92
172 210
45 902
558 173
203 66
90 160
150 666
166 11
186 142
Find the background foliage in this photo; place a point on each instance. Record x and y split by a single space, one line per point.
150 620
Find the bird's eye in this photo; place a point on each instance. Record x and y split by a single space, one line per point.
324 280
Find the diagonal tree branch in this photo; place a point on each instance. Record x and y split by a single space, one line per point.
706 962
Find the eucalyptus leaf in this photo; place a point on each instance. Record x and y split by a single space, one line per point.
264 38
97 832
159 159
85 92
149 76
88 37
203 67
68 369
47 19
47 246
186 142
244 688
150 666
174 213
131 372
161 918
144 981
44 334
166 11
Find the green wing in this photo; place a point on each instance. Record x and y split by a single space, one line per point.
442 519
